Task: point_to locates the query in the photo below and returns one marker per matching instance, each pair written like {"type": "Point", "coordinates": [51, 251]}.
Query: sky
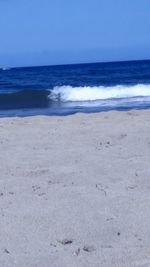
{"type": "Point", "coordinates": [49, 32]}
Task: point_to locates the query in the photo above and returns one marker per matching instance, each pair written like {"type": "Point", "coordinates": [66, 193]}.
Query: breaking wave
{"type": "Point", "coordinates": [69, 97]}
{"type": "Point", "coordinates": [87, 93]}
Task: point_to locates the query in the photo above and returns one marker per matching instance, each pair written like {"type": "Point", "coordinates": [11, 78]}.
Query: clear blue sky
{"type": "Point", "coordinates": [41, 32]}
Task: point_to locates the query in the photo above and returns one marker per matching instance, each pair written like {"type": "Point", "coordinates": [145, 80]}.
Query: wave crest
{"type": "Point", "coordinates": [87, 93]}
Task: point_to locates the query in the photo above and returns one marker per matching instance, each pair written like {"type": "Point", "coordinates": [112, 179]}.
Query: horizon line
{"type": "Point", "coordinates": [71, 64]}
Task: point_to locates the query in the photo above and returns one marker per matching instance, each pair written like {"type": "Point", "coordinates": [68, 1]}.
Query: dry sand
{"type": "Point", "coordinates": [75, 191]}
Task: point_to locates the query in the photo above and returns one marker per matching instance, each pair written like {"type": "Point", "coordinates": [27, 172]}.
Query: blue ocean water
{"type": "Point", "coordinates": [67, 89]}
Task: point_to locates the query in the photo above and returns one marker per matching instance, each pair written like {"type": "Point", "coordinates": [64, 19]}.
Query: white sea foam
{"type": "Point", "coordinates": [87, 93]}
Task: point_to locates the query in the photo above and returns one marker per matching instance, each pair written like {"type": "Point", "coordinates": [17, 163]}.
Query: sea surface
{"type": "Point", "coordinates": [67, 89]}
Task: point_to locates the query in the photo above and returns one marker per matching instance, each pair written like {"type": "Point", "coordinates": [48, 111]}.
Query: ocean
{"type": "Point", "coordinates": [68, 89]}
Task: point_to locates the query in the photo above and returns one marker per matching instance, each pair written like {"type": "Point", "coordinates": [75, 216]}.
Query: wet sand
{"type": "Point", "coordinates": [75, 190]}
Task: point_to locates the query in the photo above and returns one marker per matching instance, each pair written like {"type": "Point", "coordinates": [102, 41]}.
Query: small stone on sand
{"type": "Point", "coordinates": [66, 241]}
{"type": "Point", "coordinates": [88, 248]}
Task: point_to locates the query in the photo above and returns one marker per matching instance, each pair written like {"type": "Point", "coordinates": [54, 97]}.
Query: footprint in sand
{"type": "Point", "coordinates": [143, 265]}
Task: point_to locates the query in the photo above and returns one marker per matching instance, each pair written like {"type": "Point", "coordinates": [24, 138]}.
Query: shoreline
{"type": "Point", "coordinates": [127, 111]}
{"type": "Point", "coordinates": [75, 190]}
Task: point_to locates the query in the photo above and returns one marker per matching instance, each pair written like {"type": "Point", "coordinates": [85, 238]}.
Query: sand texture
{"type": "Point", "coordinates": [75, 190]}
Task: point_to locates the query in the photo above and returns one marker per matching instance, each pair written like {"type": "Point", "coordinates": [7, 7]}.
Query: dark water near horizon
{"type": "Point", "coordinates": [67, 89]}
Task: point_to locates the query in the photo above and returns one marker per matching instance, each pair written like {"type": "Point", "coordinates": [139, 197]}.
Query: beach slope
{"type": "Point", "coordinates": [75, 190]}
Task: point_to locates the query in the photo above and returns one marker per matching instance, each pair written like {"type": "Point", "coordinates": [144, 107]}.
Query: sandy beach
{"type": "Point", "coordinates": [75, 190]}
